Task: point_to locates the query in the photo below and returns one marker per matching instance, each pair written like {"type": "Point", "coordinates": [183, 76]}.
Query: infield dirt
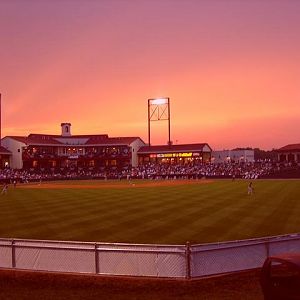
{"type": "Point", "coordinates": [116, 185]}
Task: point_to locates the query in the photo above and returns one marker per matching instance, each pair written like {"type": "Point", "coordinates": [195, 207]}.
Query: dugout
{"type": "Point", "coordinates": [175, 154]}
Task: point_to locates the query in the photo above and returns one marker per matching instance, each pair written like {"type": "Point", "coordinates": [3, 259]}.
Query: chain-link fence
{"type": "Point", "coordinates": [173, 261]}
{"type": "Point", "coordinates": [97, 258]}
{"type": "Point", "coordinates": [218, 258]}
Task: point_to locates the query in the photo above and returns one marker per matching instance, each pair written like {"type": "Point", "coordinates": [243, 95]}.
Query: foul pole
{"type": "Point", "coordinates": [0, 119]}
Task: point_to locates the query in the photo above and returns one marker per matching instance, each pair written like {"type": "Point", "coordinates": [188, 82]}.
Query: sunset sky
{"type": "Point", "coordinates": [230, 67]}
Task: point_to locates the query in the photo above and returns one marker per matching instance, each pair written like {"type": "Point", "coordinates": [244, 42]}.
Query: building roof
{"type": "Point", "coordinates": [113, 141]}
{"type": "Point", "coordinates": [4, 151]}
{"type": "Point", "coordinates": [21, 139]}
{"type": "Point", "coordinates": [36, 140]}
{"type": "Point", "coordinates": [56, 140]}
{"type": "Point", "coordinates": [174, 148]}
{"type": "Point", "coordinates": [290, 147]}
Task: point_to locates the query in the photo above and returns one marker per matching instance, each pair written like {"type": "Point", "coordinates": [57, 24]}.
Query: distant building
{"type": "Point", "coordinates": [241, 155]}
{"type": "Point", "coordinates": [5, 157]}
{"type": "Point", "coordinates": [175, 154]}
{"type": "Point", "coordinates": [46, 151]}
{"type": "Point", "coordinates": [289, 153]}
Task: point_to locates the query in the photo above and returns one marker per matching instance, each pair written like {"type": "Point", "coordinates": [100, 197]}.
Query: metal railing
{"type": "Point", "coordinates": [172, 261]}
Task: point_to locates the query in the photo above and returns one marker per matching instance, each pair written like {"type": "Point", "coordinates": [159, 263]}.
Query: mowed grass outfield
{"type": "Point", "coordinates": [171, 212]}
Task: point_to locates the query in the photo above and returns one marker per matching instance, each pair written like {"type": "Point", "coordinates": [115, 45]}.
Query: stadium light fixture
{"type": "Point", "coordinates": [159, 101]}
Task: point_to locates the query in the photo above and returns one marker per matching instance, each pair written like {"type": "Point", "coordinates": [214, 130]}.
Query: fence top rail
{"type": "Point", "coordinates": [17, 240]}
{"type": "Point", "coordinates": [124, 246]}
{"type": "Point", "coordinates": [5, 242]}
{"type": "Point", "coordinates": [249, 242]}
{"type": "Point", "coordinates": [141, 245]}
{"type": "Point", "coordinates": [107, 249]}
{"type": "Point", "coordinates": [194, 249]}
{"type": "Point", "coordinates": [125, 249]}
{"type": "Point", "coordinates": [92, 244]}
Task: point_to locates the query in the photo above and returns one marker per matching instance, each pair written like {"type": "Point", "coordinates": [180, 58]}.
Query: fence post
{"type": "Point", "coordinates": [13, 254]}
{"type": "Point", "coordinates": [96, 260]}
{"type": "Point", "coordinates": [268, 248]}
{"type": "Point", "coordinates": [188, 260]}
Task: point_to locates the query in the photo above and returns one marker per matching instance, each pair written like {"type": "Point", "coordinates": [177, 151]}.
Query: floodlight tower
{"type": "Point", "coordinates": [159, 110]}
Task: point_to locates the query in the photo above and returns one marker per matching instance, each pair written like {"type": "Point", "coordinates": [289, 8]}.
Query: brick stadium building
{"type": "Point", "coordinates": [289, 153]}
{"type": "Point", "coordinates": [51, 152]}
{"type": "Point", "coordinates": [175, 154]}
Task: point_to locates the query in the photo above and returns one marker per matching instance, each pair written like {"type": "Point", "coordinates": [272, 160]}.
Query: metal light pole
{"type": "Point", "coordinates": [149, 122]}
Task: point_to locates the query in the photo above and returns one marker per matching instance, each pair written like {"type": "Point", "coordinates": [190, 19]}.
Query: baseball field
{"type": "Point", "coordinates": [164, 212]}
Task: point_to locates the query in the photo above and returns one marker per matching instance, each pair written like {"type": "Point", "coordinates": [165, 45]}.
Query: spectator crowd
{"type": "Point", "coordinates": [154, 172]}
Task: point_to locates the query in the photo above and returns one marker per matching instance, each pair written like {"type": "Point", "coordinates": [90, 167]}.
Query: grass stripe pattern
{"type": "Point", "coordinates": [140, 213]}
